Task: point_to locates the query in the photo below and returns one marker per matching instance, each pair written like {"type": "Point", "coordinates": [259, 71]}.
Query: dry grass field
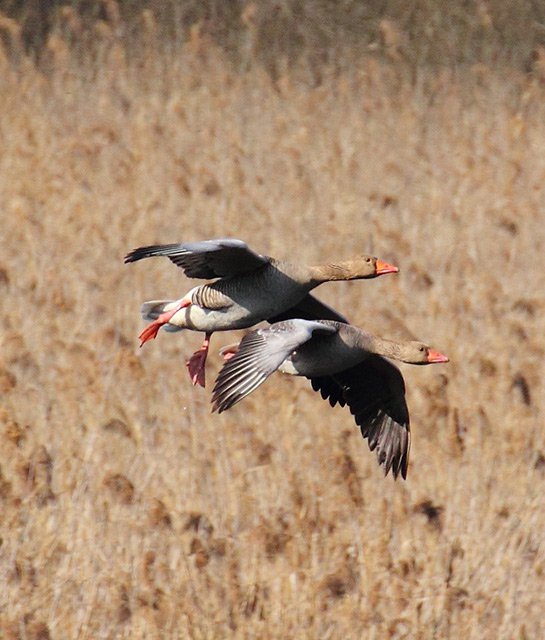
{"type": "Point", "coordinates": [128, 510]}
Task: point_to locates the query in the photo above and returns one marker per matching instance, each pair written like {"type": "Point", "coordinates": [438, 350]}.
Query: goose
{"type": "Point", "coordinates": [249, 288]}
{"type": "Point", "coordinates": [347, 365]}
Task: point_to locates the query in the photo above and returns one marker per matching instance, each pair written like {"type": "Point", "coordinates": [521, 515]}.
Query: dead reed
{"type": "Point", "coordinates": [127, 509]}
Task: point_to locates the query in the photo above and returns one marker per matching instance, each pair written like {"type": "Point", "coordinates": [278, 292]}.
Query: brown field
{"type": "Point", "coordinates": [128, 510]}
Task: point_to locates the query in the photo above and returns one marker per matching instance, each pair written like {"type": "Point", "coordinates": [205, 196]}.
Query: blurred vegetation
{"type": "Point", "coordinates": [127, 509]}
{"type": "Point", "coordinates": [287, 33]}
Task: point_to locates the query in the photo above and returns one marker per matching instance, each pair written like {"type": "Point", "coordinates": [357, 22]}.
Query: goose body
{"type": "Point", "coordinates": [347, 365]}
{"type": "Point", "coordinates": [239, 302]}
{"type": "Point", "coordinates": [248, 289]}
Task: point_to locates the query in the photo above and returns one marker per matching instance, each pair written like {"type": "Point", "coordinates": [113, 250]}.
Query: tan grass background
{"type": "Point", "coordinates": [127, 509]}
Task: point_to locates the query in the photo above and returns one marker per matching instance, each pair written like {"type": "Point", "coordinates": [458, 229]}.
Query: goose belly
{"type": "Point", "coordinates": [199, 319]}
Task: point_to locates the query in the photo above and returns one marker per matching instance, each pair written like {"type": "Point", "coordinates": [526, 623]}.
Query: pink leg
{"type": "Point", "coordinates": [196, 363]}
{"type": "Point", "coordinates": [152, 329]}
{"type": "Point", "coordinates": [228, 352]}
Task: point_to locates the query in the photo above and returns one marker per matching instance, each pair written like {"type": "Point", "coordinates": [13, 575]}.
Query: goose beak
{"type": "Point", "coordinates": [435, 356]}
{"type": "Point", "coordinates": [382, 267]}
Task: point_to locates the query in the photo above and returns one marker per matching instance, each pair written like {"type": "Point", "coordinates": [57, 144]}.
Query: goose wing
{"type": "Point", "coordinates": [260, 353]}
{"type": "Point", "coordinates": [207, 259]}
{"type": "Point", "coordinates": [374, 391]}
{"type": "Point", "coordinates": [309, 308]}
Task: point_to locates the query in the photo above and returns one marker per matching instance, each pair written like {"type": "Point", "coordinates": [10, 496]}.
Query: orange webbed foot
{"type": "Point", "coordinates": [229, 352]}
{"type": "Point", "coordinates": [196, 367]}
{"type": "Point", "coordinates": [150, 332]}
{"type": "Point", "coordinates": [196, 364]}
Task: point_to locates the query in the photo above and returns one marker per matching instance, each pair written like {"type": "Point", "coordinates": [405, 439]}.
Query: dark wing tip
{"type": "Point", "coordinates": [132, 256]}
{"type": "Point", "coordinates": [375, 393]}
{"type": "Point", "coordinates": [390, 437]}
{"type": "Point", "coordinates": [149, 251]}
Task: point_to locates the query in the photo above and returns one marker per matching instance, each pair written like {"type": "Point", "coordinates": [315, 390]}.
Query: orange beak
{"type": "Point", "coordinates": [435, 356]}
{"type": "Point", "coordinates": [382, 267]}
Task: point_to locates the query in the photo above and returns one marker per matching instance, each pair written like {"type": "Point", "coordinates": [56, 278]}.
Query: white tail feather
{"type": "Point", "coordinates": [154, 308]}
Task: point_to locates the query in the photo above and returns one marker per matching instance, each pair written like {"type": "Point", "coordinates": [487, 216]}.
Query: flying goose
{"type": "Point", "coordinates": [249, 288]}
{"type": "Point", "coordinates": [345, 364]}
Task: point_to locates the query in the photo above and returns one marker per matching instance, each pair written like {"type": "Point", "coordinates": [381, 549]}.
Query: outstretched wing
{"type": "Point", "coordinates": [309, 308]}
{"type": "Point", "coordinates": [329, 389]}
{"type": "Point", "coordinates": [375, 394]}
{"type": "Point", "coordinates": [207, 259]}
{"type": "Point", "coordinates": [259, 354]}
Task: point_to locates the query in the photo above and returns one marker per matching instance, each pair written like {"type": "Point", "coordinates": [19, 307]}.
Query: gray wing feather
{"type": "Point", "coordinates": [375, 393]}
{"type": "Point", "coordinates": [260, 353]}
{"type": "Point", "coordinates": [208, 259]}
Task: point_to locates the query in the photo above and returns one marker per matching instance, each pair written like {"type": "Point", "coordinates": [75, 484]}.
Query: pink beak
{"type": "Point", "coordinates": [384, 267]}
{"type": "Point", "coordinates": [435, 356]}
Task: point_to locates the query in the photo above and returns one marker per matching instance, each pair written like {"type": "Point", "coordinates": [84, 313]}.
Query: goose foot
{"type": "Point", "coordinates": [196, 364]}
{"type": "Point", "coordinates": [152, 329]}
{"type": "Point", "coordinates": [229, 351]}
